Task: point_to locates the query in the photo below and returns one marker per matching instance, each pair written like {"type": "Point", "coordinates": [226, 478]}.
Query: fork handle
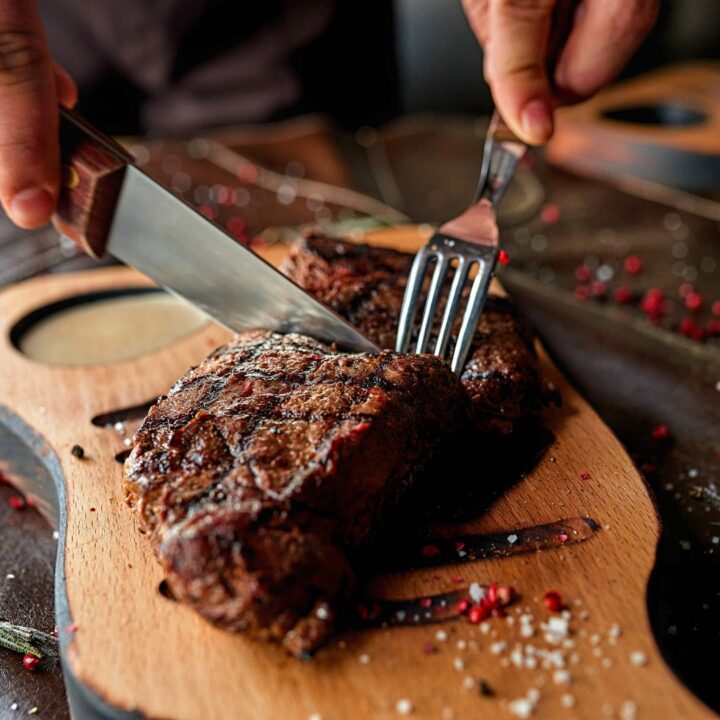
{"type": "Point", "coordinates": [501, 154]}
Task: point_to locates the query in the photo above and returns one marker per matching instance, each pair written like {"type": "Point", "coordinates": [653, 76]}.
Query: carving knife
{"type": "Point", "coordinates": [107, 204]}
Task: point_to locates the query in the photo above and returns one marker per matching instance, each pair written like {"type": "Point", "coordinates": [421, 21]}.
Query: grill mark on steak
{"type": "Point", "coordinates": [366, 285]}
{"type": "Point", "coordinates": [254, 529]}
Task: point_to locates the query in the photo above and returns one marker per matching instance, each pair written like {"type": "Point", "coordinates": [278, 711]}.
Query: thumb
{"type": "Point", "coordinates": [29, 152]}
{"type": "Point", "coordinates": [516, 66]}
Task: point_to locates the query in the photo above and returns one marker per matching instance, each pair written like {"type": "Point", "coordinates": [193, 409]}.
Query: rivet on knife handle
{"type": "Point", "coordinates": [93, 166]}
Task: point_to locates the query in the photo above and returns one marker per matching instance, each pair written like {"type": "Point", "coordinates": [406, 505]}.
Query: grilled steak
{"type": "Point", "coordinates": [268, 467]}
{"type": "Point", "coordinates": [366, 284]}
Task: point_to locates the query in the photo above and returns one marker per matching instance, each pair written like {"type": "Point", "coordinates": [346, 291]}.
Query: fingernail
{"type": "Point", "coordinates": [31, 208]}
{"type": "Point", "coordinates": [537, 122]}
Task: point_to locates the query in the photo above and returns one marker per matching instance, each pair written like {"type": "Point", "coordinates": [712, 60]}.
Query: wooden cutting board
{"type": "Point", "coordinates": [129, 649]}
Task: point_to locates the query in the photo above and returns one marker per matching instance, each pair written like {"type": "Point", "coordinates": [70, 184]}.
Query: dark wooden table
{"type": "Point", "coordinates": [636, 374]}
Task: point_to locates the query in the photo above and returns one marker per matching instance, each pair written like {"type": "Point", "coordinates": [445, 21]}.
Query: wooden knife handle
{"type": "Point", "coordinates": [93, 166]}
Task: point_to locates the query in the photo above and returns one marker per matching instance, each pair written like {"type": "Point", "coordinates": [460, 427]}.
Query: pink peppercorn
{"type": "Point", "coordinates": [30, 661]}
{"type": "Point", "coordinates": [462, 606]}
{"type": "Point", "coordinates": [553, 601]}
{"type": "Point", "coordinates": [693, 301]}
{"type": "Point", "coordinates": [661, 432]}
{"type": "Point", "coordinates": [429, 551]}
{"type": "Point", "coordinates": [17, 502]}
{"type": "Point", "coordinates": [633, 264]}
{"type": "Point", "coordinates": [582, 292]}
{"type": "Point", "coordinates": [623, 295]}
{"type": "Point", "coordinates": [478, 613]}
{"type": "Point", "coordinates": [652, 302]}
{"type": "Point", "coordinates": [550, 213]}
{"type": "Point", "coordinates": [503, 258]}
{"type": "Point", "coordinates": [583, 274]}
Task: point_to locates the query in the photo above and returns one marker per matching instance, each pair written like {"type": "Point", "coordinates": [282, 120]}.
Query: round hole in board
{"type": "Point", "coordinates": [670, 115]}
{"type": "Point", "coordinates": [104, 327]}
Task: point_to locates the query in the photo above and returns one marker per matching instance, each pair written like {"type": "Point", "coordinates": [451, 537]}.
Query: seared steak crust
{"type": "Point", "coordinates": [270, 462]}
{"type": "Point", "coordinates": [366, 284]}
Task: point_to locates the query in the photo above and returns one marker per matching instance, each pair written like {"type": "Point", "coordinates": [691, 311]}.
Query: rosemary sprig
{"type": "Point", "coordinates": [25, 640]}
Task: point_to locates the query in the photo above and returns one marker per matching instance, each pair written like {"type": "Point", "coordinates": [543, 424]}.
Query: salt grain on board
{"type": "Point", "coordinates": [404, 706]}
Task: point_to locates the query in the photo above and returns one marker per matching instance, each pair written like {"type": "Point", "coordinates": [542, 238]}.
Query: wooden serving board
{"type": "Point", "coordinates": [129, 649]}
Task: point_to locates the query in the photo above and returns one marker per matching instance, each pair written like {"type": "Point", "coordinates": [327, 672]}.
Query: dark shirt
{"type": "Point", "coordinates": [165, 66]}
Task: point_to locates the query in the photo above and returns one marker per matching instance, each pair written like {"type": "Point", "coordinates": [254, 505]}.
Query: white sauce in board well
{"type": "Point", "coordinates": [110, 330]}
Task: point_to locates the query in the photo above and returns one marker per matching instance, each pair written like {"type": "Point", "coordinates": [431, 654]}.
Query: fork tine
{"type": "Point", "coordinates": [431, 303]}
{"type": "Point", "coordinates": [461, 274]}
{"type": "Point", "coordinates": [410, 301]}
{"type": "Point", "coordinates": [475, 304]}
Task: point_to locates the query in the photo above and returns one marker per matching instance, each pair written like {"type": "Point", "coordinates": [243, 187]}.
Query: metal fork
{"type": "Point", "coordinates": [468, 241]}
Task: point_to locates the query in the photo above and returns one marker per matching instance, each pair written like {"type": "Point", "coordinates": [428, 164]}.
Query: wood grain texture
{"type": "Point", "coordinates": [93, 168]}
{"type": "Point", "coordinates": [138, 650]}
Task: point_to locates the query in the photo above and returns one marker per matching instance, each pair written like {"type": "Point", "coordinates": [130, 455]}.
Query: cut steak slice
{"type": "Point", "coordinates": [366, 284]}
{"type": "Point", "coordinates": [271, 464]}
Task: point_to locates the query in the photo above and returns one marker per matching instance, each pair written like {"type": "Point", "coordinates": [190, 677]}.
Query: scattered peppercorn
{"type": "Point", "coordinates": [623, 295]}
{"type": "Point", "coordinates": [462, 606]}
{"type": "Point", "coordinates": [503, 258]}
{"type": "Point", "coordinates": [583, 274]}
{"type": "Point", "coordinates": [553, 601]}
{"type": "Point", "coordinates": [478, 613]}
{"type": "Point", "coordinates": [661, 432]}
{"type": "Point", "coordinates": [633, 264]}
{"type": "Point", "coordinates": [30, 661]}
{"type": "Point", "coordinates": [429, 551]}
{"type": "Point", "coordinates": [17, 502]}
{"type": "Point", "coordinates": [78, 451]}
{"type": "Point", "coordinates": [693, 301]}
{"type": "Point", "coordinates": [485, 689]}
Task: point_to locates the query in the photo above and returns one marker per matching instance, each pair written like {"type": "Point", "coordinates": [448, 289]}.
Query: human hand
{"type": "Point", "coordinates": [31, 87]}
{"type": "Point", "coordinates": [515, 34]}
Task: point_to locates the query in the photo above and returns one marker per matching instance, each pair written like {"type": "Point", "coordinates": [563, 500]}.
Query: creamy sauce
{"type": "Point", "coordinates": [104, 331]}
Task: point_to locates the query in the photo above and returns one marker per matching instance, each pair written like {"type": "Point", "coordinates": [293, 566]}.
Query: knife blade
{"type": "Point", "coordinates": [107, 204]}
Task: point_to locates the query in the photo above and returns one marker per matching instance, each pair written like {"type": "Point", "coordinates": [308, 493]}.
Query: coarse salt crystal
{"type": "Point", "coordinates": [521, 708]}
{"type": "Point", "coordinates": [10, 576]}
{"type": "Point", "coordinates": [568, 700]}
{"type": "Point", "coordinates": [469, 682]}
{"type": "Point", "coordinates": [14, 706]}
{"type": "Point", "coordinates": [527, 631]}
{"type": "Point", "coordinates": [459, 664]}
{"type": "Point", "coordinates": [595, 639]}
{"type": "Point", "coordinates": [512, 539]}
{"type": "Point", "coordinates": [531, 663]}
{"type": "Point", "coordinates": [561, 677]}
{"type": "Point", "coordinates": [56, 535]}
{"type": "Point", "coordinates": [533, 695]}
{"type": "Point", "coordinates": [484, 628]}
{"type": "Point", "coordinates": [607, 663]}
{"type": "Point", "coordinates": [628, 710]}
{"type": "Point", "coordinates": [400, 615]}
{"type": "Point", "coordinates": [615, 631]}
{"type": "Point", "coordinates": [441, 636]}
{"type": "Point", "coordinates": [498, 647]}
{"type": "Point", "coordinates": [476, 591]}
{"type": "Point", "coordinates": [364, 659]}
{"type": "Point", "coordinates": [119, 427]}
{"type": "Point", "coordinates": [404, 706]}
{"type": "Point", "coordinates": [448, 714]}
{"type": "Point", "coordinates": [638, 658]}
{"type": "Point", "coordinates": [322, 613]}
{"type": "Point", "coordinates": [461, 645]}
{"type": "Point", "coordinates": [315, 716]}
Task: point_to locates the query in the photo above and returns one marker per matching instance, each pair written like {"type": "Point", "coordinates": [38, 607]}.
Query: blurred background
{"type": "Point", "coordinates": [351, 115]}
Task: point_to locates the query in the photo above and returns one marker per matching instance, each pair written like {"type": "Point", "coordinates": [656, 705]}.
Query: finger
{"type": "Point", "coordinates": [65, 87]}
{"type": "Point", "coordinates": [605, 34]}
{"type": "Point", "coordinates": [477, 15]}
{"type": "Point", "coordinates": [29, 153]}
{"type": "Point", "coordinates": [516, 66]}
